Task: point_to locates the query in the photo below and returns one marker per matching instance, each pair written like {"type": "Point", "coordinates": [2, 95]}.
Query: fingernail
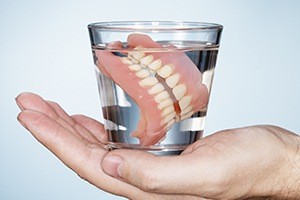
{"type": "Point", "coordinates": [19, 105]}
{"type": "Point", "coordinates": [22, 123]}
{"type": "Point", "coordinates": [111, 165]}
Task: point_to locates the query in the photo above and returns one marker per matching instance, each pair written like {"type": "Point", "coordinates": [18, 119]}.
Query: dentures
{"type": "Point", "coordinates": [167, 86]}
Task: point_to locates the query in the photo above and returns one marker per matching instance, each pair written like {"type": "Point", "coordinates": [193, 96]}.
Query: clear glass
{"type": "Point", "coordinates": [154, 80]}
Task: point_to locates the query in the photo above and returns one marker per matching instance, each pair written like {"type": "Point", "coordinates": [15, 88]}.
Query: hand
{"type": "Point", "coordinates": [258, 161]}
{"type": "Point", "coordinates": [79, 142]}
{"type": "Point", "coordinates": [248, 162]}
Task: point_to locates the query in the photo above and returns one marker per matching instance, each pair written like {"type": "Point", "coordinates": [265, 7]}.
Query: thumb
{"type": "Point", "coordinates": [166, 174]}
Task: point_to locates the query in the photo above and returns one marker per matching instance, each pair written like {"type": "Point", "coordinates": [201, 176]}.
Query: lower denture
{"type": "Point", "coordinates": [141, 75]}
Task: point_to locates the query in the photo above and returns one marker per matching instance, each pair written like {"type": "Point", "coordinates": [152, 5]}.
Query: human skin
{"type": "Point", "coordinates": [250, 162]}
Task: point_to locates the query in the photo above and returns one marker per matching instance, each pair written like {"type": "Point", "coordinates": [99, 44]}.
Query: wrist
{"type": "Point", "coordinates": [281, 180]}
{"type": "Point", "coordinates": [287, 184]}
{"type": "Point", "coordinates": [291, 187]}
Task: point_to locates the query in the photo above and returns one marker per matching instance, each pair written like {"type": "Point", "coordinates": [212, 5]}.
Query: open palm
{"type": "Point", "coordinates": [79, 142]}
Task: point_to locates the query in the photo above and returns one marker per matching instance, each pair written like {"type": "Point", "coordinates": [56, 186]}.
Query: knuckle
{"type": "Point", "coordinates": [149, 181]}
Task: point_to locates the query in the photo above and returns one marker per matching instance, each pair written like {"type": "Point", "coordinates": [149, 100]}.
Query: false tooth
{"type": "Point", "coordinates": [138, 48]}
{"type": "Point", "coordinates": [146, 60]}
{"type": "Point", "coordinates": [165, 71]}
{"type": "Point", "coordinates": [185, 102]}
{"type": "Point", "coordinates": [185, 111]}
{"type": "Point", "coordinates": [167, 110]}
{"type": "Point", "coordinates": [172, 80]}
{"type": "Point", "coordinates": [161, 96]}
{"type": "Point", "coordinates": [129, 56]}
{"type": "Point", "coordinates": [143, 66]}
{"type": "Point", "coordinates": [187, 115]}
{"type": "Point", "coordinates": [155, 65]}
{"type": "Point", "coordinates": [165, 103]}
{"type": "Point", "coordinates": [179, 91]}
{"type": "Point", "coordinates": [157, 88]}
{"type": "Point", "coordinates": [125, 60]}
{"type": "Point", "coordinates": [135, 67]}
{"type": "Point", "coordinates": [152, 72]}
{"type": "Point", "coordinates": [142, 73]}
{"type": "Point", "coordinates": [135, 61]}
{"type": "Point", "coordinates": [137, 54]}
{"type": "Point", "coordinates": [168, 118]}
{"type": "Point", "coordinates": [149, 81]}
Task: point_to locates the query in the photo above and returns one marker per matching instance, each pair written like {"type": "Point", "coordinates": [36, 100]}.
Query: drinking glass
{"type": "Point", "coordinates": [154, 80]}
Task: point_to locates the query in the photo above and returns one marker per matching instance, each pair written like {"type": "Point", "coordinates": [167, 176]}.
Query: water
{"type": "Point", "coordinates": [121, 113]}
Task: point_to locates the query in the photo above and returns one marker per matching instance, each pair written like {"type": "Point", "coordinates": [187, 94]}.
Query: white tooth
{"type": "Point", "coordinates": [125, 60]}
{"type": "Point", "coordinates": [165, 103]}
{"type": "Point", "coordinates": [155, 65]}
{"type": "Point", "coordinates": [187, 115]}
{"type": "Point", "coordinates": [188, 109]}
{"type": "Point", "coordinates": [140, 47]}
{"type": "Point", "coordinates": [137, 54]}
{"type": "Point", "coordinates": [165, 71]}
{"type": "Point", "coordinates": [170, 123]}
{"type": "Point", "coordinates": [172, 80]}
{"type": "Point", "coordinates": [152, 72]}
{"type": "Point", "coordinates": [161, 96]}
{"type": "Point", "coordinates": [149, 81]}
{"type": "Point", "coordinates": [179, 91]}
{"type": "Point", "coordinates": [168, 118]}
{"type": "Point", "coordinates": [143, 73]}
{"type": "Point", "coordinates": [135, 61]}
{"type": "Point", "coordinates": [167, 110]}
{"type": "Point", "coordinates": [185, 102]}
{"type": "Point", "coordinates": [135, 67]}
{"type": "Point", "coordinates": [143, 66]}
{"type": "Point", "coordinates": [146, 60]}
{"type": "Point", "coordinates": [129, 56]}
{"type": "Point", "coordinates": [157, 88]}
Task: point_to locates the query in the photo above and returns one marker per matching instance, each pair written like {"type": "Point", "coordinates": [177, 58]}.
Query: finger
{"type": "Point", "coordinates": [78, 127]}
{"type": "Point", "coordinates": [168, 175]}
{"type": "Point", "coordinates": [93, 126]}
{"type": "Point", "coordinates": [30, 101]}
{"type": "Point", "coordinates": [75, 153]}
{"type": "Point", "coordinates": [60, 112]}
{"type": "Point", "coordinates": [80, 156]}
{"type": "Point", "coordinates": [55, 137]}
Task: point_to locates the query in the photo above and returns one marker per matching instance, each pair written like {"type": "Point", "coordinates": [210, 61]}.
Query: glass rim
{"type": "Point", "coordinates": [154, 26]}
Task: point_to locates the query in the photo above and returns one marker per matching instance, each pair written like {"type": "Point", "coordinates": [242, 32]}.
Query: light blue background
{"type": "Point", "coordinates": [44, 48]}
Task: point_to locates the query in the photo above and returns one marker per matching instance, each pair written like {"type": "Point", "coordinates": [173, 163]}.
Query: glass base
{"type": "Point", "coordinates": [159, 150]}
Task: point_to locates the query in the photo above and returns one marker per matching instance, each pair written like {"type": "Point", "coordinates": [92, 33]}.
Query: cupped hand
{"type": "Point", "coordinates": [79, 142]}
{"type": "Point", "coordinates": [232, 164]}
{"type": "Point", "coordinates": [250, 162]}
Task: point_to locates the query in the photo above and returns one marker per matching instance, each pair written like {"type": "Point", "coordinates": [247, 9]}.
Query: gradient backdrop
{"type": "Point", "coordinates": [44, 48]}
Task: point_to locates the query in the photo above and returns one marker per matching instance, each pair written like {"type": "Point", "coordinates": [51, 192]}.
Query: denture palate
{"type": "Point", "coordinates": [167, 86]}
